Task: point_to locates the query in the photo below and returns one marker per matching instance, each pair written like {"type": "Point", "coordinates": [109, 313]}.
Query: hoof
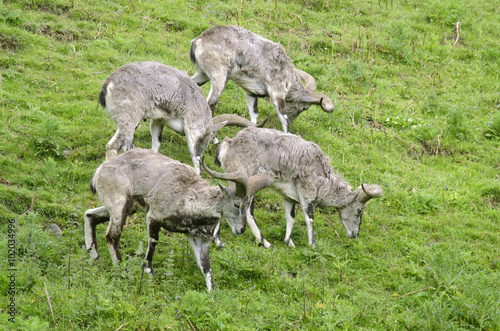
{"type": "Point", "coordinates": [147, 269]}
{"type": "Point", "coordinates": [264, 243]}
{"type": "Point", "coordinates": [219, 244]}
{"type": "Point", "coordinates": [93, 254]}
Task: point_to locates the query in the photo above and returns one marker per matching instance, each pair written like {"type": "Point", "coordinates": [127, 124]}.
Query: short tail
{"type": "Point", "coordinates": [92, 186]}
{"type": "Point", "coordinates": [102, 95]}
{"type": "Point", "coordinates": [217, 160]}
{"type": "Point", "coordinates": [192, 50]}
{"type": "Point", "coordinates": [93, 181]}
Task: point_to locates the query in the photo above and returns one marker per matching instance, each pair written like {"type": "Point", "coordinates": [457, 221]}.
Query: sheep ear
{"type": "Point", "coordinates": [225, 189]}
{"type": "Point", "coordinates": [353, 195]}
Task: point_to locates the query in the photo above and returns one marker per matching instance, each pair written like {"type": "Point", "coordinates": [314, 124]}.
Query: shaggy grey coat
{"type": "Point", "coordinates": [175, 198]}
{"type": "Point", "coordinates": [301, 173]}
{"type": "Point", "coordinates": [168, 97]}
{"type": "Point", "coordinates": [259, 66]}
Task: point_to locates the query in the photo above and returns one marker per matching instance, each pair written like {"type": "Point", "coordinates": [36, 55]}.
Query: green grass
{"type": "Point", "coordinates": [417, 112]}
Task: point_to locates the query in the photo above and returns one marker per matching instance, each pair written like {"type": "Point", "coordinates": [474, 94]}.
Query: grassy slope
{"type": "Point", "coordinates": [414, 112]}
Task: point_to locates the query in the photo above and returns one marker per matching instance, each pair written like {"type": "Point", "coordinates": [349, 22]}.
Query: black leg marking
{"type": "Point", "coordinates": [154, 230]}
{"type": "Point", "coordinates": [281, 105]}
{"type": "Point", "coordinates": [310, 211]}
{"type": "Point", "coordinates": [252, 205]}
{"type": "Point", "coordinates": [255, 110]}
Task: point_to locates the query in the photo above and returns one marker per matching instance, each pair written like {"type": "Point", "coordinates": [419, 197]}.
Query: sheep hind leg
{"type": "Point", "coordinates": [218, 82]}
{"type": "Point", "coordinates": [200, 78]}
{"type": "Point", "coordinates": [253, 111]}
{"type": "Point", "coordinates": [93, 217]}
{"type": "Point", "coordinates": [156, 129]}
{"type": "Point", "coordinates": [201, 248]}
{"type": "Point", "coordinates": [123, 138]}
{"type": "Point", "coordinates": [117, 218]}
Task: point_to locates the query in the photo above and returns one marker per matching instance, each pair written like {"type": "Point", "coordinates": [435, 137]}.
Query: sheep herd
{"type": "Point", "coordinates": [174, 195]}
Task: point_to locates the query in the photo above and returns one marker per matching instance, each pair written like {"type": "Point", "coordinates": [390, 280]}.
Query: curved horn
{"type": "Point", "coordinates": [369, 192]}
{"type": "Point", "coordinates": [259, 182]}
{"type": "Point", "coordinates": [316, 98]}
{"type": "Point", "coordinates": [309, 81]}
{"type": "Point", "coordinates": [232, 120]}
{"type": "Point", "coordinates": [261, 124]}
{"type": "Point", "coordinates": [235, 120]}
{"type": "Point", "coordinates": [239, 178]}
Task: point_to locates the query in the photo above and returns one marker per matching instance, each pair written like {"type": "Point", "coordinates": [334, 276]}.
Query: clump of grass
{"type": "Point", "coordinates": [458, 126]}
{"type": "Point", "coordinates": [48, 141]}
{"type": "Point", "coordinates": [431, 104]}
{"type": "Point", "coordinates": [445, 13]}
{"type": "Point", "coordinates": [355, 75]}
{"type": "Point", "coordinates": [493, 128]}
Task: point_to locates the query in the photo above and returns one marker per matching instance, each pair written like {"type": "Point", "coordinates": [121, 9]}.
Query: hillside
{"type": "Point", "coordinates": [416, 90]}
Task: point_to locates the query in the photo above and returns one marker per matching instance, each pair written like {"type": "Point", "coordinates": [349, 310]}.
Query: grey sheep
{"type": "Point", "coordinates": [259, 66]}
{"type": "Point", "coordinates": [168, 97]}
{"type": "Point", "coordinates": [300, 172]}
{"type": "Point", "coordinates": [174, 196]}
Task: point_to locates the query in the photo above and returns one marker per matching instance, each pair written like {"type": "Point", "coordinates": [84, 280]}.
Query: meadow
{"type": "Point", "coordinates": [416, 88]}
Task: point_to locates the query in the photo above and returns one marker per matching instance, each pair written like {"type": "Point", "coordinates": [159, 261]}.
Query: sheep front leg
{"type": "Point", "coordinates": [153, 236]}
{"type": "Point", "coordinates": [307, 209]}
{"type": "Point", "coordinates": [91, 218]}
{"type": "Point", "coordinates": [201, 248]}
{"type": "Point", "coordinates": [193, 140]}
{"type": "Point", "coordinates": [253, 226]}
{"type": "Point", "coordinates": [218, 242]}
{"type": "Point", "coordinates": [290, 221]}
{"type": "Point", "coordinates": [278, 101]}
